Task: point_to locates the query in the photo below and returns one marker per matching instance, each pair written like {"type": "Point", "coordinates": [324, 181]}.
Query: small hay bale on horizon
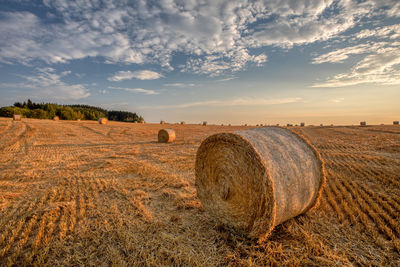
{"type": "Point", "coordinates": [363, 123]}
{"type": "Point", "coordinates": [302, 124]}
{"type": "Point", "coordinates": [56, 118]}
{"type": "Point", "coordinates": [254, 180]}
{"type": "Point", "coordinates": [103, 120]}
{"type": "Point", "coordinates": [395, 122]}
{"type": "Point", "coordinates": [183, 123]}
{"type": "Point", "coordinates": [162, 122]}
{"type": "Point", "coordinates": [17, 117]}
{"type": "Point", "coordinates": [166, 136]}
{"type": "Point", "coordinates": [205, 123]}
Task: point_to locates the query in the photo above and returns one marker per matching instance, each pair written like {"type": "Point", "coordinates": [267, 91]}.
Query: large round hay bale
{"type": "Point", "coordinates": [103, 120]}
{"type": "Point", "coordinates": [166, 136]}
{"type": "Point", "coordinates": [17, 117]}
{"type": "Point", "coordinates": [56, 118]}
{"type": "Point", "coordinates": [255, 179]}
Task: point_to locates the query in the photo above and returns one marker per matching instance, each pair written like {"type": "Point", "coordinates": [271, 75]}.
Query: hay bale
{"type": "Point", "coordinates": [395, 122]}
{"type": "Point", "coordinates": [103, 120]}
{"type": "Point", "coordinates": [363, 123]}
{"type": "Point", "coordinates": [321, 125]}
{"type": "Point", "coordinates": [78, 120]}
{"type": "Point", "coordinates": [56, 118]}
{"type": "Point", "coordinates": [166, 136]}
{"type": "Point", "coordinates": [183, 123]}
{"type": "Point", "coordinates": [162, 122]}
{"type": "Point", "coordinates": [205, 123]}
{"type": "Point", "coordinates": [17, 117]}
{"type": "Point", "coordinates": [142, 122]}
{"type": "Point", "coordinates": [302, 124]}
{"type": "Point", "coordinates": [253, 180]}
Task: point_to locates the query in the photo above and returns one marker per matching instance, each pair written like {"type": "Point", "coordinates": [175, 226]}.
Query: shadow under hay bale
{"type": "Point", "coordinates": [103, 120]}
{"type": "Point", "coordinates": [166, 136]}
{"type": "Point", "coordinates": [17, 117]}
{"type": "Point", "coordinates": [255, 179]}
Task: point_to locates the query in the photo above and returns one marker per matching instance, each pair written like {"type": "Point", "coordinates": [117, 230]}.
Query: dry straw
{"type": "Point", "coordinates": [255, 179]}
{"type": "Point", "coordinates": [166, 136]}
{"type": "Point", "coordinates": [56, 118]}
{"type": "Point", "coordinates": [17, 117]}
{"type": "Point", "coordinates": [103, 120]}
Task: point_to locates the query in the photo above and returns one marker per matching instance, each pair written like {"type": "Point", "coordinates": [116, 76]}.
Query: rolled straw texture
{"type": "Point", "coordinates": [166, 136]}
{"type": "Point", "coordinates": [17, 117]}
{"type": "Point", "coordinates": [253, 180]}
{"type": "Point", "coordinates": [103, 120]}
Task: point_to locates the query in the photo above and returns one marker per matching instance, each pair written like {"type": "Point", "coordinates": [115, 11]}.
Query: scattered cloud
{"type": "Point", "coordinates": [336, 100]}
{"type": "Point", "coordinates": [215, 37]}
{"type": "Point", "coordinates": [180, 84]}
{"type": "Point", "coordinates": [136, 90]}
{"type": "Point", "coordinates": [231, 102]}
{"type": "Point", "coordinates": [379, 63]}
{"type": "Point", "coordinates": [140, 75]}
{"type": "Point", "coordinates": [46, 83]}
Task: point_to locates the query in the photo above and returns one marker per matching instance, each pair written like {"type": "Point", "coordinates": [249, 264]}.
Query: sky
{"type": "Point", "coordinates": [221, 61]}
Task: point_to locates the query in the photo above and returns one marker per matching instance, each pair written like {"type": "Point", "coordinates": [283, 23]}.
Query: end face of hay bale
{"type": "Point", "coordinates": [166, 136]}
{"type": "Point", "coordinates": [249, 180]}
{"type": "Point", "coordinates": [56, 118]}
{"type": "Point", "coordinates": [103, 120]}
{"type": "Point", "coordinates": [17, 117]}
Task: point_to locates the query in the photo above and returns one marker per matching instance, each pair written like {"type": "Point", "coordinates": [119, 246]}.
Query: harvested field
{"type": "Point", "coordinates": [89, 194]}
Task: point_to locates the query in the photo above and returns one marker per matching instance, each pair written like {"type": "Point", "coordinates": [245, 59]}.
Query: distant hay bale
{"type": "Point", "coordinates": [245, 124]}
{"type": "Point", "coordinates": [229, 124]}
{"type": "Point", "coordinates": [103, 120]}
{"type": "Point", "coordinates": [78, 120]}
{"type": "Point", "coordinates": [56, 118]}
{"type": "Point", "coordinates": [17, 117]}
{"type": "Point", "coordinates": [142, 122]}
{"type": "Point", "coordinates": [205, 123]}
{"type": "Point", "coordinates": [363, 123]}
{"type": "Point", "coordinates": [183, 123]}
{"type": "Point", "coordinates": [321, 125]}
{"type": "Point", "coordinates": [395, 122]}
{"type": "Point", "coordinates": [162, 122]}
{"type": "Point", "coordinates": [302, 124]}
{"type": "Point", "coordinates": [277, 124]}
{"type": "Point", "coordinates": [166, 136]}
{"type": "Point", "coordinates": [253, 180]}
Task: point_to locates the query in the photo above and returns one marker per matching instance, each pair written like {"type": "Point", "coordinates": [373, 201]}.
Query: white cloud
{"type": "Point", "coordinates": [231, 102]}
{"type": "Point", "coordinates": [216, 36]}
{"type": "Point", "coordinates": [136, 90]}
{"type": "Point", "coordinates": [380, 62]}
{"type": "Point", "coordinates": [336, 100]}
{"type": "Point", "coordinates": [140, 75]}
{"type": "Point", "coordinates": [48, 84]}
{"type": "Point", "coordinates": [179, 84]}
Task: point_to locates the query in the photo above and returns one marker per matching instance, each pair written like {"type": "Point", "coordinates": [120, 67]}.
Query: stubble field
{"type": "Point", "coordinates": [80, 193]}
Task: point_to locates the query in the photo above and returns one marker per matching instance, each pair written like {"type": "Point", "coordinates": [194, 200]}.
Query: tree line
{"type": "Point", "coordinates": [30, 109]}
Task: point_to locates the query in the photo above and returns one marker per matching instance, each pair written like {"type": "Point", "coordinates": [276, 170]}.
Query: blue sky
{"type": "Point", "coordinates": [318, 61]}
